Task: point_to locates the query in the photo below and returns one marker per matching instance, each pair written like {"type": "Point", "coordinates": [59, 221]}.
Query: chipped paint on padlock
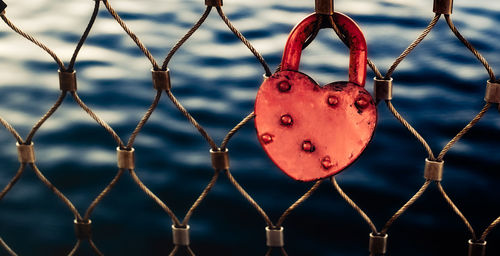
{"type": "Point", "coordinates": [312, 132]}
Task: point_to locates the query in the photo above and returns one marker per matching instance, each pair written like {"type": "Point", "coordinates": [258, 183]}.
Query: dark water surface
{"type": "Point", "coordinates": [439, 88]}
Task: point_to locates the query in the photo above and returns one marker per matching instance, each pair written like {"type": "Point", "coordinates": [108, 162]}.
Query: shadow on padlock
{"type": "Point", "coordinates": [312, 132]}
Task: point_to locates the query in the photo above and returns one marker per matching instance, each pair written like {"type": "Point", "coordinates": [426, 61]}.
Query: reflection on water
{"type": "Point", "coordinates": [439, 88]}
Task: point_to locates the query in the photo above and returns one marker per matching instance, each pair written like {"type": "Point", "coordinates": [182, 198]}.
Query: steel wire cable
{"type": "Point", "coordinates": [270, 250]}
{"type": "Point", "coordinates": [456, 210]}
{"type": "Point", "coordinates": [412, 46]}
{"type": "Point", "coordinates": [448, 146]}
{"type": "Point", "coordinates": [56, 191]}
{"type": "Point", "coordinates": [393, 67]}
{"type": "Point", "coordinates": [7, 248]}
{"type": "Point", "coordinates": [244, 41]}
{"type": "Point", "coordinates": [200, 198]}
{"type": "Point", "coordinates": [405, 207]}
{"type": "Point", "coordinates": [103, 193]}
{"type": "Point", "coordinates": [45, 117]}
{"type": "Point", "coordinates": [231, 133]}
{"type": "Point", "coordinates": [52, 110]}
{"type": "Point", "coordinates": [181, 42]}
{"type": "Point", "coordinates": [264, 215]}
{"type": "Point", "coordinates": [174, 250]}
{"type": "Point", "coordinates": [410, 129]}
{"type": "Point", "coordinates": [466, 129]}
{"type": "Point", "coordinates": [11, 130]}
{"type": "Point", "coordinates": [469, 46]}
{"type": "Point", "coordinates": [158, 201]}
{"type": "Point", "coordinates": [13, 181]}
{"type": "Point", "coordinates": [193, 121]}
{"type": "Point", "coordinates": [84, 36]}
{"type": "Point", "coordinates": [33, 40]}
{"type": "Point", "coordinates": [301, 200]}
{"type": "Point", "coordinates": [98, 119]}
{"type": "Point", "coordinates": [489, 229]}
{"type": "Point", "coordinates": [179, 106]}
{"type": "Point", "coordinates": [144, 120]}
{"type": "Point", "coordinates": [354, 205]}
{"type": "Point", "coordinates": [80, 43]}
{"type": "Point", "coordinates": [136, 39]}
{"type": "Point", "coordinates": [94, 247]}
{"type": "Point", "coordinates": [249, 198]}
{"type": "Point", "coordinates": [75, 248]}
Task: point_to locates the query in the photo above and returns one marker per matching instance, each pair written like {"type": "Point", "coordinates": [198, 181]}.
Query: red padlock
{"type": "Point", "coordinates": [312, 132]}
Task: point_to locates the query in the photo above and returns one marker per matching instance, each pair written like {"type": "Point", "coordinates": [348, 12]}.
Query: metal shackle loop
{"type": "Point", "coordinates": [378, 244]}
{"type": "Point", "coordinates": [83, 230]}
{"type": "Point", "coordinates": [477, 248]}
{"type": "Point", "coordinates": [67, 81]}
{"type": "Point", "coordinates": [433, 170]}
{"type": "Point", "coordinates": [26, 153]}
{"type": "Point", "coordinates": [180, 235]}
{"type": "Point", "coordinates": [274, 237]}
{"type": "Point", "coordinates": [161, 79]}
{"type": "Point", "coordinates": [443, 7]}
{"type": "Point", "coordinates": [302, 31]}
{"type": "Point", "coordinates": [214, 3]}
{"type": "Point", "coordinates": [324, 7]}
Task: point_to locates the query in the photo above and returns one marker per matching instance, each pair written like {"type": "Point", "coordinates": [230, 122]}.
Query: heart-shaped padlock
{"type": "Point", "coordinates": [312, 132]}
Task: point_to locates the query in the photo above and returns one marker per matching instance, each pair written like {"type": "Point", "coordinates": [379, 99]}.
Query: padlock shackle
{"type": "Point", "coordinates": [354, 35]}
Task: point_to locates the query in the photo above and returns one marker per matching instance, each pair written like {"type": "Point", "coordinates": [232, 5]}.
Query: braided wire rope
{"type": "Point", "coordinates": [202, 131]}
{"type": "Point", "coordinates": [49, 113]}
{"type": "Point", "coordinates": [393, 67]}
{"type": "Point", "coordinates": [129, 145]}
{"type": "Point", "coordinates": [417, 135]}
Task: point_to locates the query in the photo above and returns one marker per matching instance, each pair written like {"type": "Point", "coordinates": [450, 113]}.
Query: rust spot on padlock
{"type": "Point", "coordinates": [332, 101]}
{"type": "Point", "coordinates": [286, 120]}
{"type": "Point", "coordinates": [362, 103]}
{"type": "Point", "coordinates": [284, 86]}
{"type": "Point", "coordinates": [331, 124]}
{"type": "Point", "coordinates": [267, 138]}
{"type": "Point", "coordinates": [339, 87]}
{"type": "Point", "coordinates": [307, 146]}
{"type": "Point", "coordinates": [326, 162]}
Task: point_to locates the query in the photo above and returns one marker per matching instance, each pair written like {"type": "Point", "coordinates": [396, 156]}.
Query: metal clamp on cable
{"type": "Point", "coordinates": [161, 79]}
{"type": "Point", "coordinates": [214, 3]}
{"type": "Point", "coordinates": [220, 159]}
{"type": "Point", "coordinates": [126, 158]}
{"type": "Point", "coordinates": [83, 230]}
{"type": "Point", "coordinates": [180, 235]}
{"type": "Point", "coordinates": [274, 237]}
{"type": "Point", "coordinates": [443, 6]}
{"type": "Point", "coordinates": [2, 7]}
{"type": "Point", "coordinates": [492, 92]}
{"type": "Point", "coordinates": [324, 7]}
{"type": "Point", "coordinates": [378, 244]}
{"type": "Point", "coordinates": [382, 89]}
{"type": "Point", "coordinates": [26, 153]}
{"type": "Point", "coordinates": [433, 170]}
{"type": "Point", "coordinates": [67, 81]}
{"type": "Point", "coordinates": [477, 248]}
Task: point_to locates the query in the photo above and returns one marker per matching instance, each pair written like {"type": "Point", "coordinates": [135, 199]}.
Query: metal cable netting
{"type": "Point", "coordinates": [275, 227]}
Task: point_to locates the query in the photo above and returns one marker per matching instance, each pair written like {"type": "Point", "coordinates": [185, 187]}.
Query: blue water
{"type": "Point", "coordinates": [438, 88]}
